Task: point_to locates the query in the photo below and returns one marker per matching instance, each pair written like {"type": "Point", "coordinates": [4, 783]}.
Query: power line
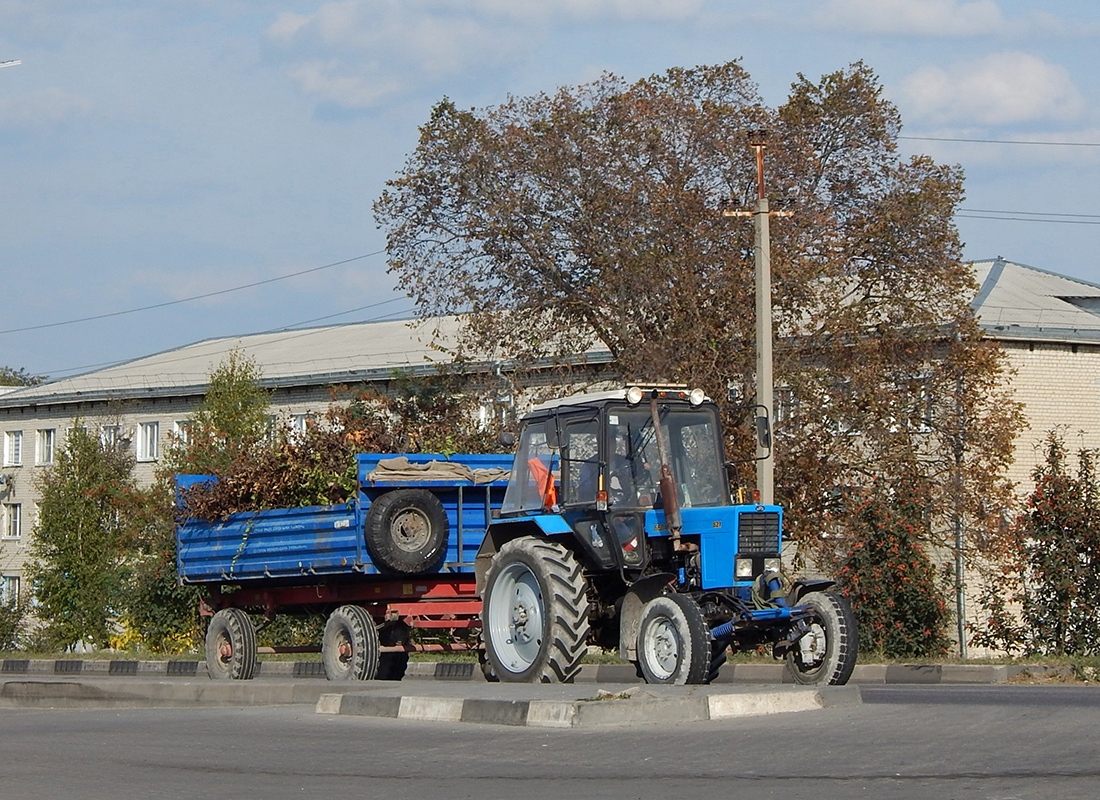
{"type": "Point", "coordinates": [1006, 218]}
{"type": "Point", "coordinates": [1029, 213]}
{"type": "Point", "coordinates": [195, 297]}
{"type": "Point", "coordinates": [1000, 141]}
{"type": "Point", "coordinates": [288, 329]}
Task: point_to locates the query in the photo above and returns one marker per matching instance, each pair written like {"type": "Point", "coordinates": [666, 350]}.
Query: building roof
{"type": "Point", "coordinates": [328, 355]}
{"type": "Point", "coordinates": [1016, 302]}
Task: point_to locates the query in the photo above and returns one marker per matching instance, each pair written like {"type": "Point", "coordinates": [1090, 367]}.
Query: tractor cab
{"type": "Point", "coordinates": [620, 467]}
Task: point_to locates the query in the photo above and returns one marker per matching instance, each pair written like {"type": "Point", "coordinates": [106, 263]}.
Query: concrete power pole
{"type": "Point", "coordinates": [765, 459]}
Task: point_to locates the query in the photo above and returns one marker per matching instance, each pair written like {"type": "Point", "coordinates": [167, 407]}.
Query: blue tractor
{"type": "Point", "coordinates": [619, 529]}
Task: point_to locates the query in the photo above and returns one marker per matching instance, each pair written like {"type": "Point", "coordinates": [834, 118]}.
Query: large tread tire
{"type": "Point", "coordinates": [718, 657]}
{"type": "Point", "coordinates": [231, 652]}
{"type": "Point", "coordinates": [674, 644]}
{"type": "Point", "coordinates": [349, 649]}
{"type": "Point", "coordinates": [406, 532]}
{"type": "Point", "coordinates": [534, 616]}
{"type": "Point", "coordinates": [826, 655]}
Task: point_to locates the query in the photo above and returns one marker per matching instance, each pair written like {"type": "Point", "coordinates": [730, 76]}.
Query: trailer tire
{"type": "Point", "coordinates": [350, 645]}
{"type": "Point", "coordinates": [674, 644]}
{"type": "Point", "coordinates": [826, 654]}
{"type": "Point", "coordinates": [535, 613]}
{"type": "Point", "coordinates": [407, 532]}
{"type": "Point", "coordinates": [231, 646]}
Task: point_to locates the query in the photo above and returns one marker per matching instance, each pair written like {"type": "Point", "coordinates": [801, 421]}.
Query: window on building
{"type": "Point", "coordinates": [47, 442]}
{"type": "Point", "coordinates": [13, 448]}
{"type": "Point", "coordinates": [110, 435]}
{"type": "Point", "coordinates": [148, 441]}
{"type": "Point", "coordinates": [13, 520]}
{"type": "Point", "coordinates": [182, 431]}
{"type": "Point", "coordinates": [9, 589]}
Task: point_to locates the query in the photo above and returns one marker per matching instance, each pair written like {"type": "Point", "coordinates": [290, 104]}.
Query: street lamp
{"type": "Point", "coordinates": [15, 63]}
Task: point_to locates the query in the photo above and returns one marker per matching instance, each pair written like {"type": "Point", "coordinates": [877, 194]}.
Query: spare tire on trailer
{"type": "Point", "coordinates": [407, 532]}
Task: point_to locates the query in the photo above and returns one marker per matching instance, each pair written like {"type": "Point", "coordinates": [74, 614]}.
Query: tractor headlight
{"type": "Point", "coordinates": [696, 396]}
{"type": "Point", "coordinates": [773, 564]}
{"type": "Point", "coordinates": [743, 568]}
{"type": "Point", "coordinates": [634, 395]}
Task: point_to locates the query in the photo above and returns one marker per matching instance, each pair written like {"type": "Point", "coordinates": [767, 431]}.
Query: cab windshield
{"type": "Point", "coordinates": [694, 452]}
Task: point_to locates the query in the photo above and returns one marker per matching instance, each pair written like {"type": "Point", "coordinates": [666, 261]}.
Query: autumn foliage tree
{"type": "Point", "coordinates": [1044, 603]}
{"type": "Point", "coordinates": [592, 218]}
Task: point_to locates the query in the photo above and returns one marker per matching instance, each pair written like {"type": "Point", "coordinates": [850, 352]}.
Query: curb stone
{"type": "Point", "coordinates": [738, 673]}
{"type": "Point", "coordinates": [631, 706]}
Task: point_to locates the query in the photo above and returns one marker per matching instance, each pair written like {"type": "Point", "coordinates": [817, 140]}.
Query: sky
{"type": "Point", "coordinates": [180, 170]}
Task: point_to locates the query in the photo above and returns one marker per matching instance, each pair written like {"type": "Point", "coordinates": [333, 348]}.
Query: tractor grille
{"type": "Point", "coordinates": [759, 531]}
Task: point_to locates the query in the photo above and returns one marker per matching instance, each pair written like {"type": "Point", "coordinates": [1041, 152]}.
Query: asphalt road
{"type": "Point", "coordinates": [939, 742]}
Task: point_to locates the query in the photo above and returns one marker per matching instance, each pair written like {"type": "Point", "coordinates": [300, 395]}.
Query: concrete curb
{"type": "Point", "coordinates": [631, 706]}
{"type": "Point", "coordinates": [83, 692]}
{"type": "Point", "coordinates": [739, 673]}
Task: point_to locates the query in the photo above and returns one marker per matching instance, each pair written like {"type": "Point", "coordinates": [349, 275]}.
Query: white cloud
{"type": "Point", "coordinates": [41, 109]}
{"type": "Point", "coordinates": [998, 89]}
{"type": "Point", "coordinates": [356, 53]}
{"type": "Point", "coordinates": [325, 81]}
{"type": "Point", "coordinates": [924, 17]}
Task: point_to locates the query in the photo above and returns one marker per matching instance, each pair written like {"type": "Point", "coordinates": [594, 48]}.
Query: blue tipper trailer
{"type": "Point", "coordinates": [402, 550]}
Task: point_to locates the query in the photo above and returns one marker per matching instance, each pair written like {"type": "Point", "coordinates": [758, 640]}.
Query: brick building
{"type": "Point", "coordinates": [1048, 324]}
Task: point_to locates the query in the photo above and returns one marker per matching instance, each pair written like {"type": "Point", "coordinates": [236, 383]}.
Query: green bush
{"type": "Point", "coordinates": [891, 584]}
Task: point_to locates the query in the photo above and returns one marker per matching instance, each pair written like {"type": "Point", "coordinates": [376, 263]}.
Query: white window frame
{"type": "Point", "coordinates": [12, 521]}
{"type": "Point", "coordinates": [45, 446]}
{"type": "Point", "coordinates": [181, 429]}
{"type": "Point", "coordinates": [10, 587]}
{"type": "Point", "coordinates": [13, 449]}
{"type": "Point", "coordinates": [110, 435]}
{"type": "Point", "coordinates": [148, 441]}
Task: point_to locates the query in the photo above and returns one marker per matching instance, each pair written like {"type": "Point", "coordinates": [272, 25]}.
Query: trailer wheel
{"type": "Point", "coordinates": [535, 613]}
{"type": "Point", "coordinates": [407, 531]}
{"type": "Point", "coordinates": [231, 646]}
{"type": "Point", "coordinates": [350, 645]}
{"type": "Point", "coordinates": [674, 643]}
{"type": "Point", "coordinates": [826, 654]}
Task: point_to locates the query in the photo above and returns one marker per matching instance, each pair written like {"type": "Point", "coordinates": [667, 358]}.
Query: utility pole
{"type": "Point", "coordinates": [765, 459]}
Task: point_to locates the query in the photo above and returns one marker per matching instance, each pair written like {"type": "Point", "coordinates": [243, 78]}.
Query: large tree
{"type": "Point", "coordinates": [591, 217]}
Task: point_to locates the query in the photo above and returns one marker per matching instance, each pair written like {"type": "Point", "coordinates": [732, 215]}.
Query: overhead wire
{"type": "Point", "coordinates": [203, 296]}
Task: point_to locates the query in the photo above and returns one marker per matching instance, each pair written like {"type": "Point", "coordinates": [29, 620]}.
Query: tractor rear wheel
{"type": "Point", "coordinates": [826, 653]}
{"type": "Point", "coordinates": [674, 644]}
{"type": "Point", "coordinates": [535, 613]}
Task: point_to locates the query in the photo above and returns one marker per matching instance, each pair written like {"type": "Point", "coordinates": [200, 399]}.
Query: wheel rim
{"type": "Point", "coordinates": [516, 618]}
{"type": "Point", "coordinates": [661, 644]}
{"type": "Point", "coordinates": [812, 646]}
{"type": "Point", "coordinates": [224, 649]}
{"type": "Point", "coordinates": [411, 530]}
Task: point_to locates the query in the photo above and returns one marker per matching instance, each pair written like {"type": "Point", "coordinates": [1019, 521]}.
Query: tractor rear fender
{"type": "Point", "coordinates": [544, 526]}
{"type": "Point", "coordinates": [630, 615]}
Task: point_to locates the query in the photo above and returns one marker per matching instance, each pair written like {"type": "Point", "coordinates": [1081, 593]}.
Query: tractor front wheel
{"type": "Point", "coordinates": [673, 641]}
{"type": "Point", "coordinates": [825, 655]}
